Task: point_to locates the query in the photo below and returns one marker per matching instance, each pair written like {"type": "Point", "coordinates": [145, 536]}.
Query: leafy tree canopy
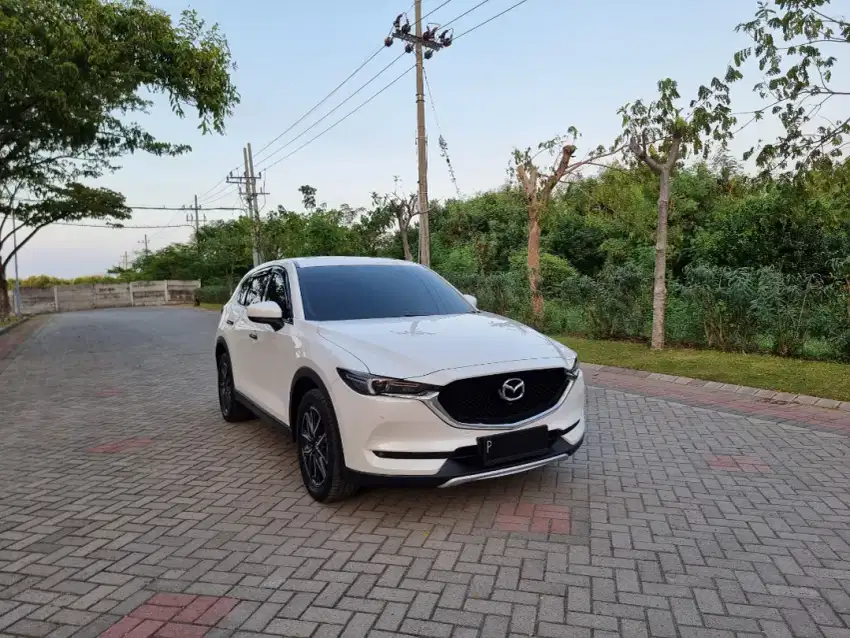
{"type": "Point", "coordinates": [73, 74]}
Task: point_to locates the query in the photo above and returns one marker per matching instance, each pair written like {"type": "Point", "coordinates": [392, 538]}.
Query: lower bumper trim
{"type": "Point", "coordinates": [505, 471]}
{"type": "Point", "coordinates": [454, 473]}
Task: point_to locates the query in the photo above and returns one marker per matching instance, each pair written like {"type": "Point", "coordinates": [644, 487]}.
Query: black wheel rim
{"type": "Point", "coordinates": [314, 446]}
{"type": "Point", "coordinates": [225, 387]}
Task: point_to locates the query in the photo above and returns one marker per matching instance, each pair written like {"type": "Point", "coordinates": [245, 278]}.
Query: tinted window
{"type": "Point", "coordinates": [335, 293]}
{"type": "Point", "coordinates": [254, 289]}
{"type": "Point", "coordinates": [278, 290]}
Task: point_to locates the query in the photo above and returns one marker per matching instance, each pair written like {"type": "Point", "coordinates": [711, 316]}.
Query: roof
{"type": "Point", "coordinates": [309, 262]}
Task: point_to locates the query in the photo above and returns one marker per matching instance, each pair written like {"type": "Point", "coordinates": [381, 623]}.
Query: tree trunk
{"type": "Point", "coordinates": [534, 259]}
{"type": "Point", "coordinates": [5, 305]}
{"type": "Point", "coordinates": [405, 241]}
{"type": "Point", "coordinates": [659, 291]}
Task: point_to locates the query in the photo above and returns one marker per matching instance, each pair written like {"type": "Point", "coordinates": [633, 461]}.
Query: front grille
{"type": "Point", "coordinates": [477, 400]}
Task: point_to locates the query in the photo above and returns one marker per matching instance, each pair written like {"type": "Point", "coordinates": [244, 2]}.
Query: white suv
{"type": "Point", "coordinates": [385, 373]}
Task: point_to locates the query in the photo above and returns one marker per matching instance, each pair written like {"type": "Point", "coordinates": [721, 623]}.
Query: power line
{"type": "Point", "coordinates": [387, 86]}
{"type": "Point", "coordinates": [323, 100]}
{"type": "Point", "coordinates": [227, 192]}
{"type": "Point", "coordinates": [464, 14]}
{"type": "Point", "coordinates": [176, 208]}
{"type": "Point", "coordinates": [342, 119]}
{"type": "Point", "coordinates": [444, 149]}
{"type": "Point", "coordinates": [118, 226]}
{"type": "Point", "coordinates": [498, 15]}
{"type": "Point", "coordinates": [336, 108]}
{"type": "Point", "coordinates": [218, 185]}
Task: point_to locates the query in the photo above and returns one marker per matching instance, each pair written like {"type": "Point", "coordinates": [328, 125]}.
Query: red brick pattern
{"type": "Point", "coordinates": [172, 616]}
{"type": "Point", "coordinates": [115, 447]}
{"type": "Point", "coordinates": [738, 464]}
{"type": "Point", "coordinates": [719, 397]}
{"type": "Point", "coordinates": [529, 517]}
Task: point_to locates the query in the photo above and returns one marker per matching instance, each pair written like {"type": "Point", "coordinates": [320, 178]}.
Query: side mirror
{"type": "Point", "coordinates": [266, 312]}
{"type": "Point", "coordinates": [471, 299]}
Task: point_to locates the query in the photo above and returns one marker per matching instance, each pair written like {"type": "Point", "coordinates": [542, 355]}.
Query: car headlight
{"type": "Point", "coordinates": [364, 383]}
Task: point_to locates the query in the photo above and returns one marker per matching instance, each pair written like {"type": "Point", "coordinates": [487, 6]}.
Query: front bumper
{"type": "Point", "coordinates": [391, 441]}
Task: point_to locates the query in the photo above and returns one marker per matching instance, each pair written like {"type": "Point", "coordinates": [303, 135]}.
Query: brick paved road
{"type": "Point", "coordinates": [127, 506]}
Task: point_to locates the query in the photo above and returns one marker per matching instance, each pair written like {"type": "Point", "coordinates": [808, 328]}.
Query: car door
{"type": "Point", "coordinates": [276, 350]}
{"type": "Point", "coordinates": [243, 347]}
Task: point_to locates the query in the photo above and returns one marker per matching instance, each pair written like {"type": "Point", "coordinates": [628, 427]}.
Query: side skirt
{"type": "Point", "coordinates": [260, 413]}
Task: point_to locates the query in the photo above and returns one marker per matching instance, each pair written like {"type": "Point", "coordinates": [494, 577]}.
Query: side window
{"type": "Point", "coordinates": [254, 289]}
{"type": "Point", "coordinates": [243, 291]}
{"type": "Point", "coordinates": [278, 289]}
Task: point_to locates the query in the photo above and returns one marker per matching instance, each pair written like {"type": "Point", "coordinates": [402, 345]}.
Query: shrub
{"type": "Point", "coordinates": [618, 301]}
{"type": "Point", "coordinates": [212, 294]}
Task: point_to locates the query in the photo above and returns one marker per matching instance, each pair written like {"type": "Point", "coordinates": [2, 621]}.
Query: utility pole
{"type": "Point", "coordinates": [145, 242]}
{"type": "Point", "coordinates": [422, 147]}
{"type": "Point", "coordinates": [251, 194]}
{"type": "Point", "coordinates": [125, 260]}
{"type": "Point", "coordinates": [195, 217]}
{"type": "Point", "coordinates": [416, 43]}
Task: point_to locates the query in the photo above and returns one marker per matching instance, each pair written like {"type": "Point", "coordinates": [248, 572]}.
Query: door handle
{"type": "Point", "coordinates": [253, 335]}
{"type": "Point", "coordinates": [230, 322]}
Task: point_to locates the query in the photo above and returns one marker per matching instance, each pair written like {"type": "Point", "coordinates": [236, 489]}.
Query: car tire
{"type": "Point", "coordinates": [232, 410]}
{"type": "Point", "coordinates": [319, 446]}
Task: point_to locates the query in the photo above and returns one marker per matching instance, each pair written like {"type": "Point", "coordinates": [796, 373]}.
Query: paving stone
{"type": "Point", "coordinates": [128, 507]}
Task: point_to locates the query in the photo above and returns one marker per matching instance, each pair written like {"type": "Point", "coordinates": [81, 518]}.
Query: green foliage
{"type": "Point", "coordinates": [755, 266]}
{"type": "Point", "coordinates": [73, 72]}
{"type": "Point", "coordinates": [795, 44]}
{"type": "Point", "coordinates": [556, 273]}
{"type": "Point", "coordinates": [619, 303]}
{"type": "Point", "coordinates": [217, 294]}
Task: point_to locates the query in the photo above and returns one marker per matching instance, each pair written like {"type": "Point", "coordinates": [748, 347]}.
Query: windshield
{"type": "Point", "coordinates": [338, 293]}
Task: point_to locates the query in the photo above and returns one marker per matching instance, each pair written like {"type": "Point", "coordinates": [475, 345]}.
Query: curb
{"type": "Point", "coordinates": [767, 396]}
{"type": "Point", "coordinates": [11, 326]}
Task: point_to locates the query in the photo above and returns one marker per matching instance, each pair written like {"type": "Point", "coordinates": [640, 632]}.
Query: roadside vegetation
{"type": "Point", "coordinates": [657, 239]}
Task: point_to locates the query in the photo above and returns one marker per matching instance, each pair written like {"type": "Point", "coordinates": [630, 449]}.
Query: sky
{"type": "Point", "coordinates": [521, 79]}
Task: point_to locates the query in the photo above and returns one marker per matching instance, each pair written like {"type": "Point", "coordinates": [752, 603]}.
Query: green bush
{"type": "Point", "coordinates": [212, 294]}
{"type": "Point", "coordinates": [618, 301]}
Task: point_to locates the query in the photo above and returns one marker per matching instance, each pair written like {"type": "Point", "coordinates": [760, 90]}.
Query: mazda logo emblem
{"type": "Point", "coordinates": [512, 390]}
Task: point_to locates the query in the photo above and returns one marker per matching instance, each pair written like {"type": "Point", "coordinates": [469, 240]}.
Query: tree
{"type": "Point", "coordinates": [659, 136]}
{"type": "Point", "coordinates": [788, 40]}
{"type": "Point", "coordinates": [308, 197]}
{"type": "Point", "coordinates": [537, 186]}
{"type": "Point", "coordinates": [73, 72]}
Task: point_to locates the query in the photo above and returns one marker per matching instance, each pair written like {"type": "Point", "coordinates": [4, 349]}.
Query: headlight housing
{"type": "Point", "coordinates": [370, 384]}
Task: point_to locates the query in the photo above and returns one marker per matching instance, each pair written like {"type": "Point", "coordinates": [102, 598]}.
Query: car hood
{"type": "Point", "coordinates": [411, 347]}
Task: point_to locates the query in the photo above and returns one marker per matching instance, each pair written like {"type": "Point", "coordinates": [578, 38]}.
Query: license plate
{"type": "Point", "coordinates": [500, 448]}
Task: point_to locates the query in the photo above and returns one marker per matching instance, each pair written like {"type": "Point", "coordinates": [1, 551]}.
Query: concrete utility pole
{"type": "Point", "coordinates": [416, 43]}
{"type": "Point", "coordinates": [195, 217]}
{"type": "Point", "coordinates": [126, 259]}
{"type": "Point", "coordinates": [145, 242]}
{"type": "Point", "coordinates": [422, 147]}
{"type": "Point", "coordinates": [251, 194]}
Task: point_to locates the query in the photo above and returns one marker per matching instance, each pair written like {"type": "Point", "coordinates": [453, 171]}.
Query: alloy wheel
{"type": "Point", "coordinates": [225, 385]}
{"type": "Point", "coordinates": [314, 446]}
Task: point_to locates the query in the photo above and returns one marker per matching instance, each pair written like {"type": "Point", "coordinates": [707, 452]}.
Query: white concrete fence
{"type": "Point", "coordinates": [118, 295]}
